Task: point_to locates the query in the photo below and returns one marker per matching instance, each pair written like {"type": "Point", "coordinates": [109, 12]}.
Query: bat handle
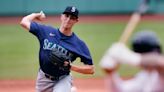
{"type": "Point", "coordinates": [130, 27]}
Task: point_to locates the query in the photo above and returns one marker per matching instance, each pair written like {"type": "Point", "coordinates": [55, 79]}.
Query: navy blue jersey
{"type": "Point", "coordinates": [68, 46]}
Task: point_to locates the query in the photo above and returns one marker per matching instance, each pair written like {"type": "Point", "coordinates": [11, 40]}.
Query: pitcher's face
{"type": "Point", "coordinates": [68, 20]}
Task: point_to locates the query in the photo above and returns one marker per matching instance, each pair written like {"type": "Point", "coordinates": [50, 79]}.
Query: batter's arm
{"type": "Point", "coordinates": [84, 69]}
{"type": "Point", "coordinates": [26, 21]}
{"type": "Point", "coordinates": [153, 61]}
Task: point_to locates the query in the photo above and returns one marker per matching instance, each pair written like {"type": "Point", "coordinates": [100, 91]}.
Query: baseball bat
{"type": "Point", "coordinates": [134, 20]}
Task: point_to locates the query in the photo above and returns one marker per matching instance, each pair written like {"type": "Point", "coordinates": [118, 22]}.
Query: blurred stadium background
{"type": "Point", "coordinates": [51, 7]}
{"type": "Point", "coordinates": [19, 49]}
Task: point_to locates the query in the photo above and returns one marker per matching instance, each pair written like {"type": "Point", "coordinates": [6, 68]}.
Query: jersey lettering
{"type": "Point", "coordinates": [59, 50]}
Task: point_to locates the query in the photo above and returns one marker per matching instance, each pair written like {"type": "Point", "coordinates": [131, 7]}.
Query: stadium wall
{"type": "Point", "coordinates": [52, 7]}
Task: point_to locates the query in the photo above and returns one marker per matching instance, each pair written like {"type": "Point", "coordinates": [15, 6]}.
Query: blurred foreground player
{"type": "Point", "coordinates": [146, 54]}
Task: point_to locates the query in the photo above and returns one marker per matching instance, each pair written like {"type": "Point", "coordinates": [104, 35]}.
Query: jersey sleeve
{"type": "Point", "coordinates": [37, 29]}
{"type": "Point", "coordinates": [86, 56]}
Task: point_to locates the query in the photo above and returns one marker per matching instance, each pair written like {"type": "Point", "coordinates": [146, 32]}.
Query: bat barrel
{"type": "Point", "coordinates": [135, 18]}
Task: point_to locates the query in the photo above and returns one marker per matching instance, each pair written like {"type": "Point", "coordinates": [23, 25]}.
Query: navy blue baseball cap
{"type": "Point", "coordinates": [71, 10]}
{"type": "Point", "coordinates": [146, 41]}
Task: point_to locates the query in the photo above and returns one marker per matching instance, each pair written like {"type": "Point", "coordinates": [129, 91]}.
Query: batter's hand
{"type": "Point", "coordinates": [122, 54]}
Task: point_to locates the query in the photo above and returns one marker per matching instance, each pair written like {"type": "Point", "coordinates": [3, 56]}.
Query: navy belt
{"type": "Point", "coordinates": [54, 78]}
{"type": "Point", "coordinates": [51, 77]}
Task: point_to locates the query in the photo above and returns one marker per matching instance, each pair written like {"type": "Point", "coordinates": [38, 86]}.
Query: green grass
{"type": "Point", "coordinates": [19, 49]}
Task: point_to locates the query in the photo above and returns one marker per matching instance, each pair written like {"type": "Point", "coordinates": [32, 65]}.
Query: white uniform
{"type": "Point", "coordinates": [144, 81]}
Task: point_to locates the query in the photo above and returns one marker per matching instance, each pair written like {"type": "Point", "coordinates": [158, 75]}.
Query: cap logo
{"type": "Point", "coordinates": [73, 9]}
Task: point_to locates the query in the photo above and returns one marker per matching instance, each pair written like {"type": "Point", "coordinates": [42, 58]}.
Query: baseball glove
{"type": "Point", "coordinates": [59, 61]}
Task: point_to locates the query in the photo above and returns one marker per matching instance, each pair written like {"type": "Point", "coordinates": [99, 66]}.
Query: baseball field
{"type": "Point", "coordinates": [19, 49]}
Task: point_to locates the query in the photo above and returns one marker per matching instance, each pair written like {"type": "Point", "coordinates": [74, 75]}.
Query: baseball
{"type": "Point", "coordinates": [42, 15]}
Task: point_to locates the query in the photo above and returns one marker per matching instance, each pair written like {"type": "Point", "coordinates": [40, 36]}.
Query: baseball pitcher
{"type": "Point", "coordinates": [59, 47]}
